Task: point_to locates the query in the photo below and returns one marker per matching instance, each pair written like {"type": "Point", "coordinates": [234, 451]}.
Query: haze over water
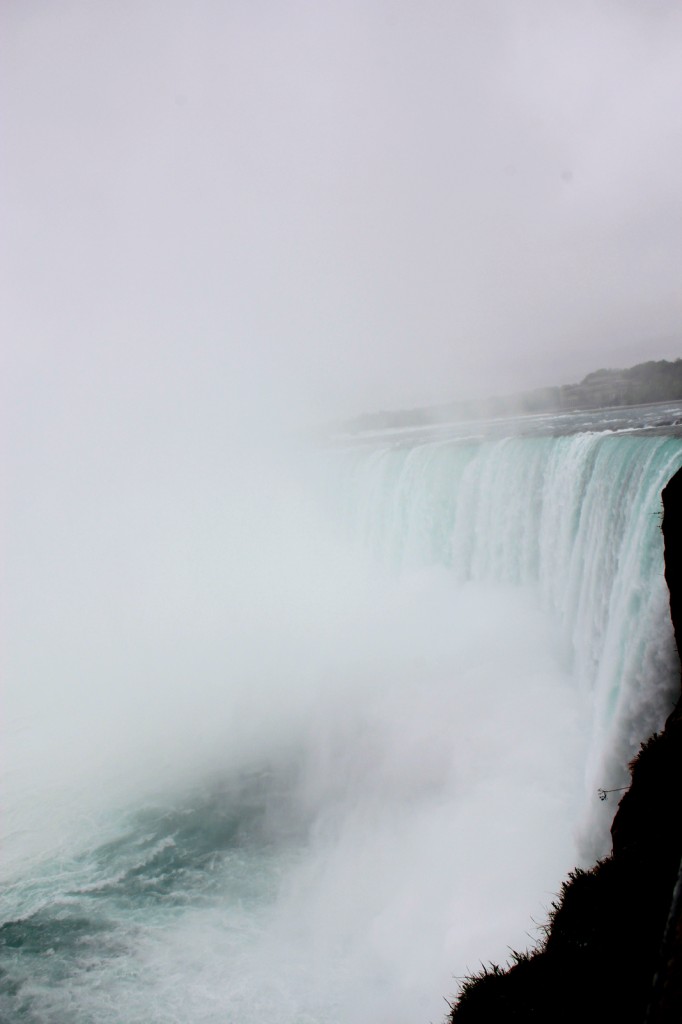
{"type": "Point", "coordinates": [345, 736]}
{"type": "Point", "coordinates": [293, 734]}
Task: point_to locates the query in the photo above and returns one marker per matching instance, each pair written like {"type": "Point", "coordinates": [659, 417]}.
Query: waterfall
{"type": "Point", "coordinates": [342, 739]}
{"type": "Point", "coordinates": [575, 517]}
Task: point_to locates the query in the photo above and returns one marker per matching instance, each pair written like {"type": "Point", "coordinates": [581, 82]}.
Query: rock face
{"type": "Point", "coordinates": [613, 945]}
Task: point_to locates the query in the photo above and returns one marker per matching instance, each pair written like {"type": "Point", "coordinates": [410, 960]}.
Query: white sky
{"type": "Point", "coordinates": [338, 205]}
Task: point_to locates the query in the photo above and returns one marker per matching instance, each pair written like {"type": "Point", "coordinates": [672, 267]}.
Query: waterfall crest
{"type": "Point", "coordinates": [575, 517]}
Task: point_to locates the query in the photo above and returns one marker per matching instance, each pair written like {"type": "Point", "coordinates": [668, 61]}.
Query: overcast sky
{"type": "Point", "coordinates": [338, 205]}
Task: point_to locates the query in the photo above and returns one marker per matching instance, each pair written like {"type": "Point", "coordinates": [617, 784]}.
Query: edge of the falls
{"type": "Point", "coordinates": [612, 948]}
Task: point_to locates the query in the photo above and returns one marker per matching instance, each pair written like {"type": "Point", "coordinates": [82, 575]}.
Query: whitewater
{"type": "Point", "coordinates": [333, 735]}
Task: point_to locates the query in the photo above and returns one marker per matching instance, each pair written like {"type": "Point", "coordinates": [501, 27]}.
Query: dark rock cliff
{"type": "Point", "coordinates": [613, 945]}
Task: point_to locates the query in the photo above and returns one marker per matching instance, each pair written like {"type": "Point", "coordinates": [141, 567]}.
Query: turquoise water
{"type": "Point", "coordinates": [577, 518]}
{"type": "Point", "coordinates": [420, 674]}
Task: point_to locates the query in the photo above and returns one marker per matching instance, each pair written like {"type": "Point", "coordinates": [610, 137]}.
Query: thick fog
{"type": "Point", "coordinates": [222, 224]}
{"type": "Point", "coordinates": [344, 206]}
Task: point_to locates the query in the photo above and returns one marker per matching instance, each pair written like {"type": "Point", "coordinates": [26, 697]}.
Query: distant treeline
{"type": "Point", "coordinates": [655, 381]}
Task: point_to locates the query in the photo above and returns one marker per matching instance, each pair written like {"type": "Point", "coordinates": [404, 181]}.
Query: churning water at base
{"type": "Point", "coordinates": [385, 766]}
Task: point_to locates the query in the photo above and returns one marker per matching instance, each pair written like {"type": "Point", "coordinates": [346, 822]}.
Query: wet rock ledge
{"type": "Point", "coordinates": [613, 944]}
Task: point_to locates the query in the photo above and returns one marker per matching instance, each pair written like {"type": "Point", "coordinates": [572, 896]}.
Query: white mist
{"type": "Point", "coordinates": [422, 740]}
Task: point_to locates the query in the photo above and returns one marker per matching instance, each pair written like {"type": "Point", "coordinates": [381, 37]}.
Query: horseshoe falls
{"type": "Point", "coordinates": [315, 745]}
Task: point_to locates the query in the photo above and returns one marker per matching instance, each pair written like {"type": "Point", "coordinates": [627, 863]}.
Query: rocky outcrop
{"type": "Point", "coordinates": [613, 944]}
